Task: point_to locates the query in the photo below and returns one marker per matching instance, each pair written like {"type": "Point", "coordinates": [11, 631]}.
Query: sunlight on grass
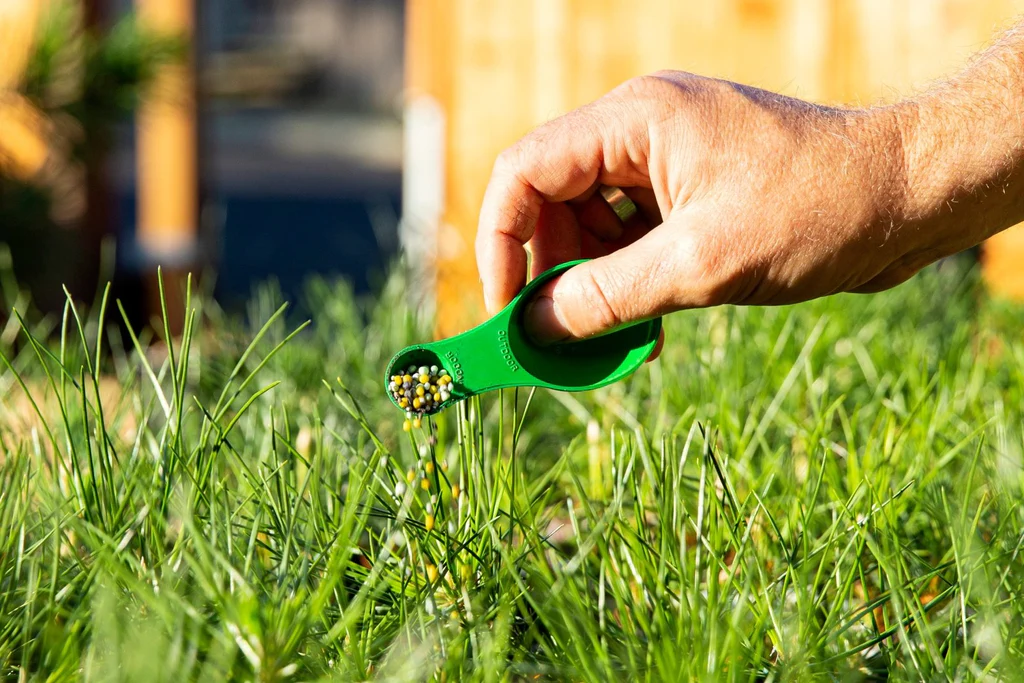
{"type": "Point", "coordinates": [830, 488]}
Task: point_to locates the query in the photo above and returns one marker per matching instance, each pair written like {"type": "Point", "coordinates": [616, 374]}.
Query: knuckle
{"type": "Point", "coordinates": [650, 88]}
{"type": "Point", "coordinates": [526, 158]}
{"type": "Point", "coordinates": [562, 153]}
{"type": "Point", "coordinates": [643, 85]}
{"type": "Point", "coordinates": [673, 85]}
{"type": "Point", "coordinates": [510, 208]}
{"type": "Point", "coordinates": [507, 160]}
{"type": "Point", "coordinates": [661, 80]}
{"type": "Point", "coordinates": [674, 104]}
{"type": "Point", "coordinates": [665, 75]}
{"type": "Point", "coordinates": [530, 162]}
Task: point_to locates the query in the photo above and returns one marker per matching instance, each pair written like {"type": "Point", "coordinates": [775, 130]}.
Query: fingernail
{"type": "Point", "coordinates": [542, 323]}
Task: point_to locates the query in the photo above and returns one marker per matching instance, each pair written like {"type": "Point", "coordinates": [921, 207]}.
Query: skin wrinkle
{"type": "Point", "coordinates": [701, 134]}
{"type": "Point", "coordinates": [526, 210]}
{"type": "Point", "coordinates": [600, 302]}
{"type": "Point", "coordinates": [635, 156]}
{"type": "Point", "coordinates": [631, 164]}
{"type": "Point", "coordinates": [543, 171]}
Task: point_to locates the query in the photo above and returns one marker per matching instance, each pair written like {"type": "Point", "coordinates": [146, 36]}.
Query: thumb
{"type": "Point", "coordinates": [632, 284]}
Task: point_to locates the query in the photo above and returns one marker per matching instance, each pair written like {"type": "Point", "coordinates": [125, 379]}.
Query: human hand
{"type": "Point", "coordinates": [744, 197]}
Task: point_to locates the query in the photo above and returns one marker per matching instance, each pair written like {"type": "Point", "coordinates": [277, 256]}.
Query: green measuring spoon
{"type": "Point", "coordinates": [498, 354]}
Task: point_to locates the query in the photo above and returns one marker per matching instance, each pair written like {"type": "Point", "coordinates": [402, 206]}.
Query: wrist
{"type": "Point", "coordinates": [963, 149]}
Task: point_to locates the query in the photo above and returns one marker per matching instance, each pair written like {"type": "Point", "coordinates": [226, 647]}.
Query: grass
{"type": "Point", "coordinates": [823, 491]}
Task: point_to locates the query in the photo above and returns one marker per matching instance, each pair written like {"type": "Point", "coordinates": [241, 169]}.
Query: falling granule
{"type": "Point", "coordinates": [420, 390]}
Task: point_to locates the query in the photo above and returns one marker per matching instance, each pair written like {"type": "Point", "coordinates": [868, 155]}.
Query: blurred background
{"type": "Point", "coordinates": [271, 147]}
{"type": "Point", "coordinates": [252, 139]}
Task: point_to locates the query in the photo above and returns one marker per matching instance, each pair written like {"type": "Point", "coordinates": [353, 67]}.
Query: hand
{"type": "Point", "coordinates": [744, 197]}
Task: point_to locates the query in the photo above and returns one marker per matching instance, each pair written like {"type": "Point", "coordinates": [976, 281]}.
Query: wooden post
{"type": "Point", "coordinates": [168, 205]}
{"type": "Point", "coordinates": [18, 22]}
{"type": "Point", "coordinates": [496, 69]}
{"type": "Point", "coordinates": [428, 71]}
{"type": "Point", "coordinates": [23, 149]}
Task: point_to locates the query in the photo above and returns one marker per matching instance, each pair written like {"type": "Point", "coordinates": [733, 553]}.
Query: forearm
{"type": "Point", "coordinates": [964, 149]}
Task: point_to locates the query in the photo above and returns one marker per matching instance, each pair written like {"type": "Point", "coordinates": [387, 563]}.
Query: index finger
{"type": "Point", "coordinates": [559, 161]}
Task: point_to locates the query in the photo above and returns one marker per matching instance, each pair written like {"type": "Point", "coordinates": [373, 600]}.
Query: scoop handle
{"type": "Point", "coordinates": [481, 359]}
{"type": "Point", "coordinates": [485, 358]}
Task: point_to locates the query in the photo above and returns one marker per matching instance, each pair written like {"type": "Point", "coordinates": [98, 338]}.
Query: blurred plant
{"type": "Point", "coordinates": [76, 85]}
{"type": "Point", "coordinates": [86, 82]}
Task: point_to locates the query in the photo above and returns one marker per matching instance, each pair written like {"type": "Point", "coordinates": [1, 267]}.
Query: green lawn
{"type": "Point", "coordinates": [829, 490]}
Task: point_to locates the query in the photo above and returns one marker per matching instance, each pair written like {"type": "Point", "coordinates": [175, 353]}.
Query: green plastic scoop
{"type": "Point", "coordinates": [498, 354]}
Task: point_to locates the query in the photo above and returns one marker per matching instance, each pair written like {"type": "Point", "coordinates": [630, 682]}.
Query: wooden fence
{"type": "Point", "coordinates": [481, 73]}
{"type": "Point", "coordinates": [492, 70]}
